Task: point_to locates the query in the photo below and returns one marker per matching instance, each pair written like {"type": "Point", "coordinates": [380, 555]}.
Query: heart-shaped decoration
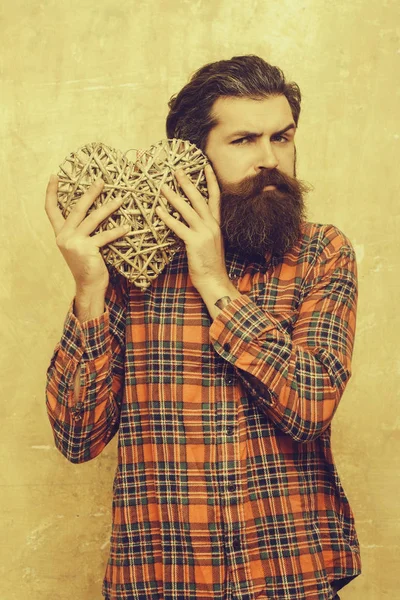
{"type": "Point", "coordinates": [142, 254]}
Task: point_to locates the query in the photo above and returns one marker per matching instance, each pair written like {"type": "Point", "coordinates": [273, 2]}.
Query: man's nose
{"type": "Point", "coordinates": [266, 158]}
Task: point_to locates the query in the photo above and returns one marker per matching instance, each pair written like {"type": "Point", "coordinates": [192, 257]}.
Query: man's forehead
{"type": "Point", "coordinates": [231, 113]}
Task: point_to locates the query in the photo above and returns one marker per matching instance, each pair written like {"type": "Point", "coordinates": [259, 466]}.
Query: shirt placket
{"type": "Point", "coordinates": [230, 486]}
{"type": "Point", "coordinates": [238, 579]}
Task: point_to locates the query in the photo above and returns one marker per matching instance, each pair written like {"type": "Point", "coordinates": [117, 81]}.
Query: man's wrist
{"type": "Point", "coordinates": [89, 304]}
{"type": "Point", "coordinates": [222, 302]}
{"type": "Point", "coordinates": [218, 294]}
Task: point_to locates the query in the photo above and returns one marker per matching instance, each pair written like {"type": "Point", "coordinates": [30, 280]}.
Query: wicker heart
{"type": "Point", "coordinates": [142, 254]}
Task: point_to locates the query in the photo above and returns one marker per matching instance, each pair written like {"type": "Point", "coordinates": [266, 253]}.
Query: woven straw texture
{"type": "Point", "coordinates": [142, 254]}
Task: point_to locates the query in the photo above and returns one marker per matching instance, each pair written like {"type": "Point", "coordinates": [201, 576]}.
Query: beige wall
{"type": "Point", "coordinates": [82, 71]}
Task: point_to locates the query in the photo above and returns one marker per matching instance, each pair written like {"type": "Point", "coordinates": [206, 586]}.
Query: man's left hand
{"type": "Point", "coordinates": [200, 232]}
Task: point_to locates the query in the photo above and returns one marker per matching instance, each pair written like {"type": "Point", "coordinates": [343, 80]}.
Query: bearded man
{"type": "Point", "coordinates": [223, 377]}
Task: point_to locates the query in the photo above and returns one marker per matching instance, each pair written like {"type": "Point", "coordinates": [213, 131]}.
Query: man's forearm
{"type": "Point", "coordinates": [214, 292]}
{"type": "Point", "coordinates": [89, 304]}
{"type": "Point", "coordinates": [85, 375]}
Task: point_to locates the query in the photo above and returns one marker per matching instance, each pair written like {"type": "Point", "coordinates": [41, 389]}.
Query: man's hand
{"type": "Point", "coordinates": [80, 249]}
{"type": "Point", "coordinates": [202, 236]}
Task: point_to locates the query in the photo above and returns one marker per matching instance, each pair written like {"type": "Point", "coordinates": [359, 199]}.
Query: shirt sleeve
{"type": "Point", "coordinates": [297, 378]}
{"type": "Point", "coordinates": [84, 427]}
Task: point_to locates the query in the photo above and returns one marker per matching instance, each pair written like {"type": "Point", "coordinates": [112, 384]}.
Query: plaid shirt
{"type": "Point", "coordinates": [226, 486]}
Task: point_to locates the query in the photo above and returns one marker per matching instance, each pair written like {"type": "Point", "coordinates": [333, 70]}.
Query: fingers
{"type": "Point", "coordinates": [192, 193]}
{"type": "Point", "coordinates": [93, 220]}
{"type": "Point", "coordinates": [197, 200]}
{"type": "Point", "coordinates": [110, 235]}
{"type": "Point", "coordinates": [198, 206]}
{"type": "Point", "coordinates": [181, 206]}
{"type": "Point", "coordinates": [78, 212]}
{"type": "Point", "coordinates": [89, 223]}
{"type": "Point", "coordinates": [176, 226]}
{"type": "Point", "coordinates": [214, 194]}
{"type": "Point", "coordinates": [53, 212]}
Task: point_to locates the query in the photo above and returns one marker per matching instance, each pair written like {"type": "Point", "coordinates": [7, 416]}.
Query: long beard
{"type": "Point", "coordinates": [255, 221]}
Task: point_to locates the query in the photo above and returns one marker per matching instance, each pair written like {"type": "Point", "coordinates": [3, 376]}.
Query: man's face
{"type": "Point", "coordinates": [251, 135]}
{"type": "Point", "coordinates": [252, 152]}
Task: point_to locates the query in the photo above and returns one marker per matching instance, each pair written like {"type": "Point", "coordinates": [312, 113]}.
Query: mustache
{"type": "Point", "coordinates": [252, 186]}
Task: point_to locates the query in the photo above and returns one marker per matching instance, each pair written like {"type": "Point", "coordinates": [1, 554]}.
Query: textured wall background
{"type": "Point", "coordinates": [84, 71]}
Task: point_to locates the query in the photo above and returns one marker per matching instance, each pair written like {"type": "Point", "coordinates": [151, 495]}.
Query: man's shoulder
{"type": "Point", "coordinates": [323, 239]}
{"type": "Point", "coordinates": [318, 245]}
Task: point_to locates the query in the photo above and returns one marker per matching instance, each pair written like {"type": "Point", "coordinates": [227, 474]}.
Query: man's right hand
{"type": "Point", "coordinates": [80, 249]}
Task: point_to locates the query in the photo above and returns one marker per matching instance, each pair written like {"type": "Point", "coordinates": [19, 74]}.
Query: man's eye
{"type": "Point", "coordinates": [241, 141]}
{"type": "Point", "coordinates": [280, 138]}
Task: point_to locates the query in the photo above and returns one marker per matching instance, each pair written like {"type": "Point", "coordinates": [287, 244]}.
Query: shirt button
{"type": "Point", "coordinates": [229, 379]}
{"type": "Point", "coordinates": [231, 487]}
{"type": "Point", "coordinates": [236, 543]}
{"type": "Point", "coordinates": [77, 411]}
{"type": "Point", "coordinates": [230, 430]}
{"type": "Point", "coordinates": [227, 347]}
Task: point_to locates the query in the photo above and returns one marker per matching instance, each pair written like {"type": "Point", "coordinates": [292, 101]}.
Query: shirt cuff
{"type": "Point", "coordinates": [239, 325]}
{"type": "Point", "coordinates": [87, 340]}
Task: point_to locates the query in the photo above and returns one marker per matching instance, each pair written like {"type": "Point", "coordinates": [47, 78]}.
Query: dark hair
{"type": "Point", "coordinates": [190, 117]}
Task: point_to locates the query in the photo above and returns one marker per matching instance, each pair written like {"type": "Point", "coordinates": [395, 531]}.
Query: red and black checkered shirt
{"type": "Point", "coordinates": [226, 487]}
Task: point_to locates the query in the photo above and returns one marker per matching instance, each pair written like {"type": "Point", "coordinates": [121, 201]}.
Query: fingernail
{"type": "Point", "coordinates": [179, 172]}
